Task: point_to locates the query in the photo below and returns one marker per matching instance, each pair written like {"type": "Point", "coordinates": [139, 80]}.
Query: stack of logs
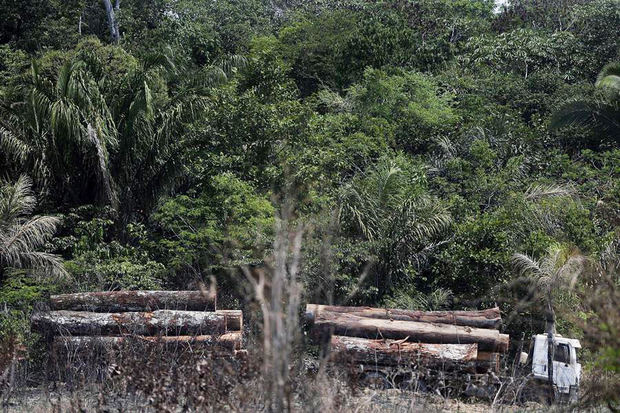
{"type": "Point", "coordinates": [185, 318]}
{"type": "Point", "coordinates": [468, 340]}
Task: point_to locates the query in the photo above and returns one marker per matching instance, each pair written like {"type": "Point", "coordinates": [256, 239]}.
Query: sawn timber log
{"type": "Point", "coordinates": [326, 324]}
{"type": "Point", "coordinates": [489, 318]}
{"type": "Point", "coordinates": [393, 352]}
{"type": "Point", "coordinates": [119, 301]}
{"type": "Point", "coordinates": [159, 322]}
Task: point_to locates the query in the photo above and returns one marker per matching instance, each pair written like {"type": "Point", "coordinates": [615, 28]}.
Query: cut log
{"type": "Point", "coordinates": [230, 341]}
{"type": "Point", "coordinates": [326, 324]}
{"type": "Point", "coordinates": [490, 318]}
{"type": "Point", "coordinates": [392, 353]}
{"type": "Point", "coordinates": [160, 322]}
{"type": "Point", "coordinates": [488, 361]}
{"type": "Point", "coordinates": [487, 356]}
{"type": "Point", "coordinates": [119, 301]}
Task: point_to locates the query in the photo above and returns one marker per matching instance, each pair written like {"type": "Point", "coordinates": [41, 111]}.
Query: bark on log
{"type": "Point", "coordinates": [230, 341]}
{"type": "Point", "coordinates": [489, 318]}
{"type": "Point", "coordinates": [160, 322]}
{"type": "Point", "coordinates": [392, 353]}
{"type": "Point", "coordinates": [326, 324]}
{"type": "Point", "coordinates": [119, 301]}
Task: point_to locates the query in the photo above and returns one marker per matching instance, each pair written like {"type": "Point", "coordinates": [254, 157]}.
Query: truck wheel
{"type": "Point", "coordinates": [535, 392]}
{"type": "Point", "coordinates": [573, 394]}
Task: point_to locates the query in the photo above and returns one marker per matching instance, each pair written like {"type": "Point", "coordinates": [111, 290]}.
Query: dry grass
{"type": "Point", "coordinates": [152, 378]}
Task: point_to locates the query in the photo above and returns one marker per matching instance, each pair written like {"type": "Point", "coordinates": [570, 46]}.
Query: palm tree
{"type": "Point", "coordinates": [601, 115]}
{"type": "Point", "coordinates": [22, 236]}
{"type": "Point", "coordinates": [152, 135]}
{"type": "Point", "coordinates": [109, 141]}
{"type": "Point", "coordinates": [62, 134]}
{"type": "Point", "coordinates": [390, 209]}
{"type": "Point", "coordinates": [557, 271]}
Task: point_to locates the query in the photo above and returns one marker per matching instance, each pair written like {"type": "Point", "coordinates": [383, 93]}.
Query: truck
{"type": "Point", "coordinates": [565, 368]}
{"type": "Point", "coordinates": [455, 354]}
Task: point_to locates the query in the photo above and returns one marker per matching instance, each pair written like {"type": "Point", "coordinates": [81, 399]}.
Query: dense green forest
{"type": "Point", "coordinates": [438, 154]}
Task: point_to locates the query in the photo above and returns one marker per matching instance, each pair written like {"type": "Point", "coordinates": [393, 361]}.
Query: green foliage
{"type": "Point", "coordinates": [99, 262]}
{"type": "Point", "coordinates": [199, 30]}
{"type": "Point", "coordinates": [333, 49]}
{"type": "Point", "coordinates": [388, 207]}
{"type": "Point", "coordinates": [337, 146]}
{"type": "Point", "coordinates": [115, 136]}
{"type": "Point", "coordinates": [22, 292]}
{"type": "Point", "coordinates": [413, 136]}
{"type": "Point", "coordinates": [594, 25]}
{"type": "Point", "coordinates": [409, 101]}
{"type": "Point", "coordinates": [226, 225]}
{"type": "Point", "coordinates": [38, 24]}
{"type": "Point", "coordinates": [436, 300]}
{"type": "Point", "coordinates": [601, 113]}
{"type": "Point", "coordinates": [247, 136]}
{"type": "Point", "coordinates": [525, 51]}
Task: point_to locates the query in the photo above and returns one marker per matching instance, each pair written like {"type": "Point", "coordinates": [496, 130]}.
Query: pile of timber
{"type": "Point", "coordinates": [113, 318]}
{"type": "Point", "coordinates": [468, 340]}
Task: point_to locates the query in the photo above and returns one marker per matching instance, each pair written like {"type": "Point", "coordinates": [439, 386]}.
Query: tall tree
{"type": "Point", "coordinates": [390, 208]}
{"type": "Point", "coordinates": [111, 11]}
{"type": "Point", "coordinates": [556, 271]}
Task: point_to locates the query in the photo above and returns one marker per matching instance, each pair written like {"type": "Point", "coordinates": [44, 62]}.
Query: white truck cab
{"type": "Point", "coordinates": [566, 369]}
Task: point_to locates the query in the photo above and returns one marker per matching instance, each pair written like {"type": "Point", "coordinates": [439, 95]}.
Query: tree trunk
{"type": "Point", "coordinates": [112, 22]}
{"type": "Point", "coordinates": [391, 352]}
{"type": "Point", "coordinates": [326, 323]}
{"type": "Point", "coordinates": [230, 341]}
{"type": "Point", "coordinates": [160, 322]}
{"type": "Point", "coordinates": [490, 318]}
{"type": "Point", "coordinates": [119, 301]}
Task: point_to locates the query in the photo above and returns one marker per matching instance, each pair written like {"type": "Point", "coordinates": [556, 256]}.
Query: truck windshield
{"type": "Point", "coordinates": [562, 353]}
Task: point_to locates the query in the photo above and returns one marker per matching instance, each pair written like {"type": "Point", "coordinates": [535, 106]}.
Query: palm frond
{"type": "Point", "coordinates": [540, 191]}
{"type": "Point", "coordinates": [609, 77]}
{"type": "Point", "coordinates": [16, 200]}
{"type": "Point", "coordinates": [103, 173]}
{"type": "Point", "coordinates": [439, 299]}
{"type": "Point", "coordinates": [571, 270]}
{"type": "Point", "coordinates": [30, 234]}
{"type": "Point", "coordinates": [41, 264]}
{"type": "Point", "coordinates": [13, 146]}
{"type": "Point", "coordinates": [20, 236]}
{"type": "Point", "coordinates": [609, 82]}
{"type": "Point", "coordinates": [526, 266]}
{"type": "Point", "coordinates": [66, 121]}
{"type": "Point", "coordinates": [229, 64]}
{"type": "Point", "coordinates": [160, 60]}
{"type": "Point", "coordinates": [578, 112]}
{"type": "Point", "coordinates": [610, 256]}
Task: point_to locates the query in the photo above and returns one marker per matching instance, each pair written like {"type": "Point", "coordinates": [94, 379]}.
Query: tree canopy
{"type": "Point", "coordinates": [423, 143]}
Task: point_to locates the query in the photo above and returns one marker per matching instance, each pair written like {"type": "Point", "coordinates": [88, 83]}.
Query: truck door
{"type": "Point", "coordinates": [564, 374]}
